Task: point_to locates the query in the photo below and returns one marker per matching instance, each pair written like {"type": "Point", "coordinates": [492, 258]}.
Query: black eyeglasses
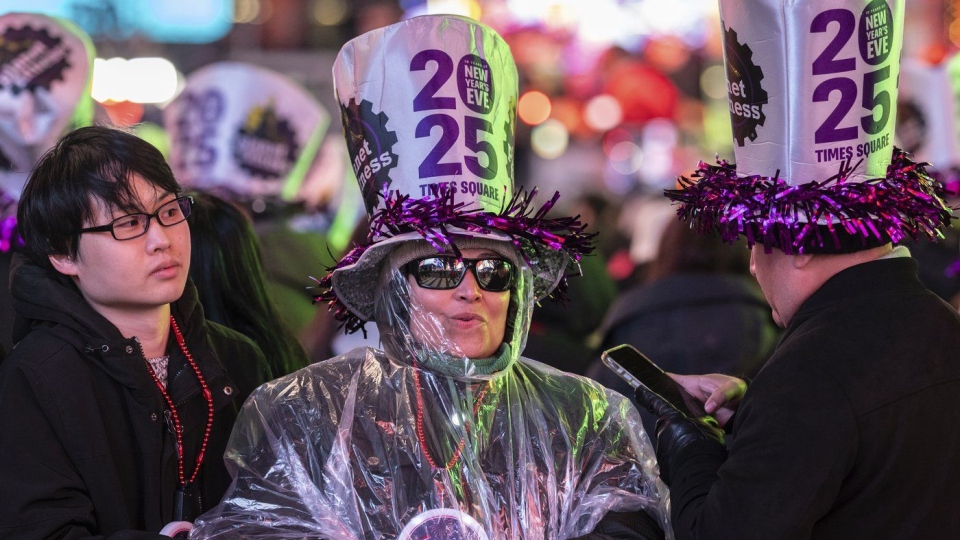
{"type": "Point", "coordinates": [446, 272]}
{"type": "Point", "coordinates": [131, 226]}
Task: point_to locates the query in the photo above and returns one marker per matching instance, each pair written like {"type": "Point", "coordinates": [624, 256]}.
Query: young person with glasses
{"type": "Point", "coordinates": [445, 430]}
{"type": "Point", "coordinates": [119, 397]}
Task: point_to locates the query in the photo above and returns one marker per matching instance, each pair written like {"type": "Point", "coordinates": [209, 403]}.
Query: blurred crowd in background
{"type": "Point", "coordinates": [617, 98]}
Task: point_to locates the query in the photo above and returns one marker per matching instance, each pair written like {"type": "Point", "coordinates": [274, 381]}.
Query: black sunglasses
{"type": "Point", "coordinates": [132, 226]}
{"type": "Point", "coordinates": [446, 272]}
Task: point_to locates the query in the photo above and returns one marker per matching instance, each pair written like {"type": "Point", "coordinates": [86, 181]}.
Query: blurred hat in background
{"type": "Point", "coordinates": [246, 132]}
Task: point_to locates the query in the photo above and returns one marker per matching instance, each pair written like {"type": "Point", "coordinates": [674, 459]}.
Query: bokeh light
{"type": "Point", "coordinates": [533, 107]}
{"type": "Point", "coordinates": [953, 31]}
{"type": "Point", "coordinates": [626, 157]}
{"type": "Point", "coordinates": [550, 139]}
{"type": "Point", "coordinates": [246, 11]}
{"type": "Point", "coordinates": [614, 137]}
{"type": "Point", "coordinates": [642, 91]}
{"type": "Point", "coordinates": [659, 140]}
{"type": "Point", "coordinates": [624, 23]}
{"type": "Point", "coordinates": [602, 112]}
{"type": "Point", "coordinates": [138, 80]}
{"type": "Point", "coordinates": [713, 82]}
{"type": "Point", "coordinates": [467, 8]}
{"type": "Point", "coordinates": [252, 11]}
{"type": "Point", "coordinates": [569, 111]}
{"type": "Point", "coordinates": [330, 12]}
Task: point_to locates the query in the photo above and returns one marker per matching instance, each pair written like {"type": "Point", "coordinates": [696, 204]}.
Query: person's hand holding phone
{"type": "Point", "coordinates": [682, 420]}
{"type": "Point", "coordinates": [720, 394]}
{"type": "Point", "coordinates": [677, 431]}
{"type": "Point", "coordinates": [637, 370]}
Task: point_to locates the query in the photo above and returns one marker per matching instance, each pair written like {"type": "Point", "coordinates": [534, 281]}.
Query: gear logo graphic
{"type": "Point", "coordinates": [745, 94]}
{"type": "Point", "coordinates": [370, 143]}
{"type": "Point", "coordinates": [266, 144]}
{"type": "Point", "coordinates": [31, 59]}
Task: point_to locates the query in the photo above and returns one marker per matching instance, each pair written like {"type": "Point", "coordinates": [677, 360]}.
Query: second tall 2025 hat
{"type": "Point", "coordinates": [812, 89]}
{"type": "Point", "coordinates": [428, 108]}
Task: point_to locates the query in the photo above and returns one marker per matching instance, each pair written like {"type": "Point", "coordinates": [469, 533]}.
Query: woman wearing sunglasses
{"type": "Point", "coordinates": [445, 430]}
{"type": "Point", "coordinates": [463, 300]}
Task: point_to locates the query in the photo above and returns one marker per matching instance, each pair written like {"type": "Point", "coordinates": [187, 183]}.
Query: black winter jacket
{"type": "Point", "coordinates": [87, 452]}
{"type": "Point", "coordinates": [849, 430]}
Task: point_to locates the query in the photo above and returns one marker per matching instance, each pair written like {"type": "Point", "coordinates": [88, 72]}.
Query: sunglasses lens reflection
{"type": "Point", "coordinates": [493, 275]}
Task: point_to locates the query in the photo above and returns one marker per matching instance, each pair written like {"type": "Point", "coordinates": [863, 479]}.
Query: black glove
{"type": "Point", "coordinates": [635, 525]}
{"type": "Point", "coordinates": [675, 431]}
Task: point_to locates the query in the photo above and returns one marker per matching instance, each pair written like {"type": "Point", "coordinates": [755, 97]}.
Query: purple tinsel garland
{"type": "Point", "coordinates": [8, 223]}
{"type": "Point", "coordinates": [908, 202]}
{"type": "Point", "coordinates": [431, 217]}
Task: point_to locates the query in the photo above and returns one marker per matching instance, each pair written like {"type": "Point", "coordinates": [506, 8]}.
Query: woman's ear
{"type": "Point", "coordinates": [64, 264]}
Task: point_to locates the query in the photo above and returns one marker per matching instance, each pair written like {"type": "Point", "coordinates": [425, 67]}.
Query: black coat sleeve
{"type": "Point", "coordinates": [41, 494]}
{"type": "Point", "coordinates": [637, 525]}
{"type": "Point", "coordinates": [784, 465]}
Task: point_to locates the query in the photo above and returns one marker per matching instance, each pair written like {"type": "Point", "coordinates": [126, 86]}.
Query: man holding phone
{"type": "Point", "coordinates": [849, 429]}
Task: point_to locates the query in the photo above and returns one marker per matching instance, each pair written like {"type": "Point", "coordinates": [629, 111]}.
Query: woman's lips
{"type": "Point", "coordinates": [465, 320]}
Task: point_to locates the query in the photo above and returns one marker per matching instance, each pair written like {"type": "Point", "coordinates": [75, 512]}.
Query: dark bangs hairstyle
{"type": "Point", "coordinates": [227, 268]}
{"type": "Point", "coordinates": [87, 167]}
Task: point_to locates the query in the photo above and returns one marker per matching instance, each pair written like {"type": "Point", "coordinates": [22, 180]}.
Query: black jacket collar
{"type": "Point", "coordinates": [869, 279]}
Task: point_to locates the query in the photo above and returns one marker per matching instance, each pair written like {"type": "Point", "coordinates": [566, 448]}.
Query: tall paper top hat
{"type": "Point", "coordinates": [45, 76]}
{"type": "Point", "coordinates": [244, 130]}
{"type": "Point", "coordinates": [428, 108]}
{"type": "Point", "coordinates": [812, 89]}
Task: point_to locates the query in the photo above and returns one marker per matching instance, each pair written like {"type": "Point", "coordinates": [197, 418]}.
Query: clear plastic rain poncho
{"type": "Point", "coordinates": [416, 441]}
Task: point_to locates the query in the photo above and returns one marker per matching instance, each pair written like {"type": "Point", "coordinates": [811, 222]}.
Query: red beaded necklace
{"type": "Point", "coordinates": [466, 427]}
{"type": "Point", "coordinates": [177, 427]}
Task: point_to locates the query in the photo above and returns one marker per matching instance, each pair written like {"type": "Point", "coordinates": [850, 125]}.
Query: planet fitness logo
{"type": "Point", "coordinates": [443, 524]}
{"type": "Point", "coordinates": [746, 96]}
{"type": "Point", "coordinates": [31, 59]}
{"type": "Point", "coordinates": [266, 145]}
{"type": "Point", "coordinates": [370, 143]}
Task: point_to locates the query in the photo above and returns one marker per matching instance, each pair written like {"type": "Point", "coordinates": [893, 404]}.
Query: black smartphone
{"type": "Point", "coordinates": [635, 368]}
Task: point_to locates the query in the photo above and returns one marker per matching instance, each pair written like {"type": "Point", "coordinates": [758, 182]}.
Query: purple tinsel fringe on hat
{"type": "Point", "coordinates": [8, 223]}
{"type": "Point", "coordinates": [812, 217]}
{"type": "Point", "coordinates": [432, 217]}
